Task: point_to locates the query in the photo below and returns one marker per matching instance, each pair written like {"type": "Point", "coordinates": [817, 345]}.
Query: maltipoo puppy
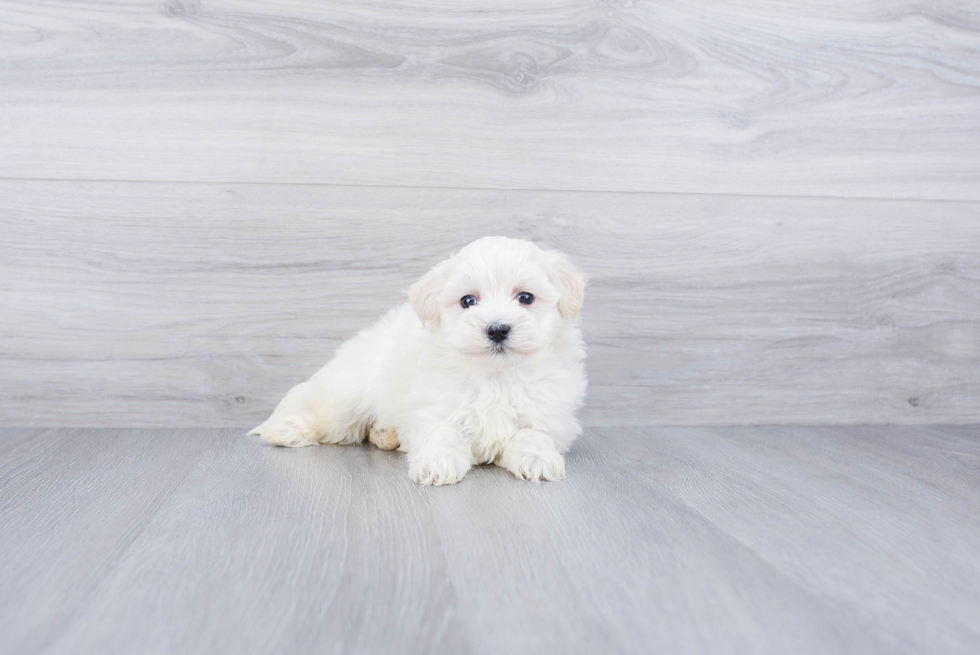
{"type": "Point", "coordinates": [485, 364]}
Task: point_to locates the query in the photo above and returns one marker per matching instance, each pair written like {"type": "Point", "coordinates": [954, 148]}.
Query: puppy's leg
{"type": "Point", "coordinates": [439, 455]}
{"type": "Point", "coordinates": [313, 412]}
{"type": "Point", "coordinates": [532, 455]}
{"type": "Point", "coordinates": [337, 404]}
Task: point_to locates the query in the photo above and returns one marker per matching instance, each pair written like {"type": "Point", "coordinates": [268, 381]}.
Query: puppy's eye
{"type": "Point", "coordinates": [467, 301]}
{"type": "Point", "coordinates": [525, 298]}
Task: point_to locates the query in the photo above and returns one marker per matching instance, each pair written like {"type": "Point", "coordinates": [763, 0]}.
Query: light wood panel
{"type": "Point", "coordinates": [680, 540]}
{"type": "Point", "coordinates": [200, 305]}
{"type": "Point", "coordinates": [263, 550]}
{"type": "Point", "coordinates": [71, 503]}
{"type": "Point", "coordinates": [876, 98]}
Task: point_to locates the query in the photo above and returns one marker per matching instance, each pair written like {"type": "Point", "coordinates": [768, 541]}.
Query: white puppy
{"type": "Point", "coordinates": [486, 364]}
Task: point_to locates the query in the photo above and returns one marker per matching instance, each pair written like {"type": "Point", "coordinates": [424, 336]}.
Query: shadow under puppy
{"type": "Point", "coordinates": [485, 364]}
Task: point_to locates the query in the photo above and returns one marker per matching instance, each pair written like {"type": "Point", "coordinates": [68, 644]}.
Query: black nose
{"type": "Point", "coordinates": [498, 332]}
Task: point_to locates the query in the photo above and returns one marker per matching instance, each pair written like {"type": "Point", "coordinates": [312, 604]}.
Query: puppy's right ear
{"type": "Point", "coordinates": [424, 294]}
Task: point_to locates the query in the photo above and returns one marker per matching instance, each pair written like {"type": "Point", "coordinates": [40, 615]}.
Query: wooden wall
{"type": "Point", "coordinates": [779, 205]}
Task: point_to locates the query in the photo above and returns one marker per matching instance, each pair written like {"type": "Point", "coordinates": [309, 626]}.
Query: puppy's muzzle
{"type": "Point", "coordinates": [497, 332]}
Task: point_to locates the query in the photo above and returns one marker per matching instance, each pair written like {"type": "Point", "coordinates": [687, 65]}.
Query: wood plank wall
{"type": "Point", "coordinates": [779, 204]}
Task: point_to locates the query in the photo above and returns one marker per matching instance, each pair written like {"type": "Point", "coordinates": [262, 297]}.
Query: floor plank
{"type": "Point", "coordinates": [849, 514]}
{"type": "Point", "coordinates": [200, 305]}
{"type": "Point", "coordinates": [767, 540]}
{"type": "Point", "coordinates": [72, 502]}
{"type": "Point", "coordinates": [862, 99]}
{"type": "Point", "coordinates": [610, 561]}
{"type": "Point", "coordinates": [269, 550]}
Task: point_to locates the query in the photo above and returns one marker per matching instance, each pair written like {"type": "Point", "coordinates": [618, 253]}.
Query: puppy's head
{"type": "Point", "coordinates": [500, 298]}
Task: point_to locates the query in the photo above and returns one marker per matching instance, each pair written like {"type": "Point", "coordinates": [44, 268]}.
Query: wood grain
{"type": "Point", "coordinates": [200, 305]}
{"type": "Point", "coordinates": [613, 563]}
{"type": "Point", "coordinates": [801, 499]}
{"type": "Point", "coordinates": [869, 99]}
{"type": "Point", "coordinates": [681, 540]}
{"type": "Point", "coordinates": [267, 550]}
{"type": "Point", "coordinates": [72, 502]}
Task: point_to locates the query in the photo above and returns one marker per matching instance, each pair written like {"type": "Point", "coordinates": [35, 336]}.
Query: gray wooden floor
{"type": "Point", "coordinates": [762, 540]}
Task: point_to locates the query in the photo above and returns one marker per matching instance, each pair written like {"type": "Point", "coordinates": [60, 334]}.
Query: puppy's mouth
{"type": "Point", "coordinates": [506, 349]}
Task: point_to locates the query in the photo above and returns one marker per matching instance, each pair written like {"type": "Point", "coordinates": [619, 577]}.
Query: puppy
{"type": "Point", "coordinates": [485, 364]}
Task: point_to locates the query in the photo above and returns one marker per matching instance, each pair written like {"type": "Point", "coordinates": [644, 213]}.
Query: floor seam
{"type": "Point", "coordinates": [339, 185]}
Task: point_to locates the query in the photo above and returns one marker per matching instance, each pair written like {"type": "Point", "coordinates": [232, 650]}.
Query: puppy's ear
{"type": "Point", "coordinates": [424, 294]}
{"type": "Point", "coordinates": [569, 281]}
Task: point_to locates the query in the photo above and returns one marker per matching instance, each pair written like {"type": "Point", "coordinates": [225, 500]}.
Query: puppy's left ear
{"type": "Point", "coordinates": [424, 294]}
{"type": "Point", "coordinates": [569, 281]}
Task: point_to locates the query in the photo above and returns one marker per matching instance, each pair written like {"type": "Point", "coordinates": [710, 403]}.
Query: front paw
{"type": "Point", "coordinates": [438, 466]}
{"type": "Point", "coordinates": [536, 465]}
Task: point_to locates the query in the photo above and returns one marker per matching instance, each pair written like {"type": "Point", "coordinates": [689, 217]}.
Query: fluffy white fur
{"type": "Point", "coordinates": [427, 378]}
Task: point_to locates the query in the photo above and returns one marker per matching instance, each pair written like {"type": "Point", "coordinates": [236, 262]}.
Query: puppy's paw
{"type": "Point", "coordinates": [292, 432]}
{"type": "Point", "coordinates": [536, 465]}
{"type": "Point", "coordinates": [438, 466]}
{"type": "Point", "coordinates": [383, 438]}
